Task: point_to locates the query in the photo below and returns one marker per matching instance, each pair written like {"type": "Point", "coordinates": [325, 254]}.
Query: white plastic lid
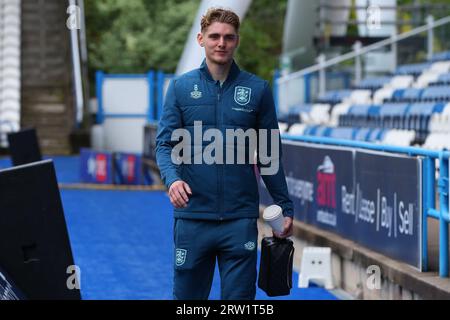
{"type": "Point", "coordinates": [272, 212]}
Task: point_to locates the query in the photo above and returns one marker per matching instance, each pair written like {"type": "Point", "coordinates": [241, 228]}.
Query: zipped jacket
{"type": "Point", "coordinates": [220, 190]}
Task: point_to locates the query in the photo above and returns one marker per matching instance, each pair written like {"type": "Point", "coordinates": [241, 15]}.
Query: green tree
{"type": "Point", "coordinates": [262, 37]}
{"type": "Point", "coordinates": [135, 36]}
{"type": "Point", "coordinates": [138, 35]}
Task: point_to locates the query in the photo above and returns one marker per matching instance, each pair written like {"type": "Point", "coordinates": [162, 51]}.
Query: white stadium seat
{"type": "Point", "coordinates": [283, 127]}
{"type": "Point", "coordinates": [320, 113]}
{"type": "Point", "coordinates": [400, 82]}
{"type": "Point", "coordinates": [339, 109]}
{"type": "Point", "coordinates": [402, 138]}
{"type": "Point", "coordinates": [437, 141]}
{"type": "Point", "coordinates": [297, 129]}
{"type": "Point", "coordinates": [440, 122]}
{"type": "Point", "coordinates": [432, 74]}
{"type": "Point", "coordinates": [359, 97]}
{"type": "Point", "coordinates": [397, 82]}
{"type": "Point", "coordinates": [440, 67]}
{"type": "Point", "coordinates": [381, 94]}
{"type": "Point", "coordinates": [425, 79]}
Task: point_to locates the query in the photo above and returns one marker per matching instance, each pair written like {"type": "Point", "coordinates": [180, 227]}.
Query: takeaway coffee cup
{"type": "Point", "coordinates": [273, 215]}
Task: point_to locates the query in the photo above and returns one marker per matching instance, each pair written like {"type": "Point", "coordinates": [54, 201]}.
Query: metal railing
{"type": "Point", "coordinates": [359, 51]}
{"type": "Point", "coordinates": [428, 189]}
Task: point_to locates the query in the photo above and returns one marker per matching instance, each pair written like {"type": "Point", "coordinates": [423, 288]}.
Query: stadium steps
{"type": "Point", "coordinates": [47, 89]}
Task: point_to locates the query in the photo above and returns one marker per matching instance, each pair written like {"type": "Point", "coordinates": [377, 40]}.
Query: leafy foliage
{"type": "Point", "coordinates": [138, 35]}
{"type": "Point", "coordinates": [134, 36]}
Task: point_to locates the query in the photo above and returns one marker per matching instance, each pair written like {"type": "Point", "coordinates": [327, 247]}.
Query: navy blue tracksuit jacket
{"type": "Point", "coordinates": [219, 191]}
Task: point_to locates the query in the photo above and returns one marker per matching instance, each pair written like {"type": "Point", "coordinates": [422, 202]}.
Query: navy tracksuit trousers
{"type": "Point", "coordinates": [198, 243]}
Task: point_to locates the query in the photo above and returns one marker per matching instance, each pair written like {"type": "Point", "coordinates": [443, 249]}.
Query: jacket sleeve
{"type": "Point", "coordinates": [170, 120]}
{"type": "Point", "coordinates": [275, 183]}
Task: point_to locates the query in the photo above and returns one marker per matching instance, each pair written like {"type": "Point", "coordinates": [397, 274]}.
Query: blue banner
{"type": "Point", "coordinates": [128, 169]}
{"type": "Point", "coordinates": [96, 167]}
{"type": "Point", "coordinates": [370, 198]}
{"type": "Point", "coordinates": [388, 212]}
{"type": "Point", "coordinates": [316, 177]}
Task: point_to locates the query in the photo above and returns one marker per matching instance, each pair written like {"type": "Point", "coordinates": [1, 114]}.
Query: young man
{"type": "Point", "coordinates": [217, 204]}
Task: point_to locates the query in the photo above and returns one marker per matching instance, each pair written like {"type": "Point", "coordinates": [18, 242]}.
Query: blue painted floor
{"type": "Point", "coordinates": [122, 241]}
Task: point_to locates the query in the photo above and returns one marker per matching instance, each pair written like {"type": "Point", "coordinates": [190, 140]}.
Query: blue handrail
{"type": "Point", "coordinates": [428, 190]}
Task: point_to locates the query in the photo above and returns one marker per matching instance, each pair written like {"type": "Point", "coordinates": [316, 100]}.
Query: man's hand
{"type": "Point", "coordinates": [179, 193]}
{"type": "Point", "coordinates": [287, 231]}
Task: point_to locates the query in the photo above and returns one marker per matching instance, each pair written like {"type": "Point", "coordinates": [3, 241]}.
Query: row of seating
{"type": "Point", "coordinates": [419, 75]}
{"type": "Point", "coordinates": [413, 69]}
{"type": "Point", "coordinates": [374, 83]}
{"type": "Point", "coordinates": [371, 115]}
{"type": "Point", "coordinates": [409, 107]}
{"type": "Point", "coordinates": [307, 113]}
{"type": "Point", "coordinates": [433, 93]}
{"type": "Point", "coordinates": [376, 135]}
{"type": "Point", "coordinates": [442, 80]}
{"type": "Point", "coordinates": [434, 141]}
{"type": "Point", "coordinates": [397, 89]}
{"type": "Point", "coordinates": [441, 56]}
{"type": "Point", "coordinates": [437, 141]}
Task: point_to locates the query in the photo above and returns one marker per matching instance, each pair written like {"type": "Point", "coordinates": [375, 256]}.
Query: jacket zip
{"type": "Point", "coordinates": [220, 166]}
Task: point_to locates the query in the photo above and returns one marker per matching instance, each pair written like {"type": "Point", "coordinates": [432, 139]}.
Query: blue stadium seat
{"type": "Point", "coordinates": [442, 80]}
{"type": "Point", "coordinates": [412, 69]}
{"type": "Point", "coordinates": [373, 83]}
{"type": "Point", "coordinates": [376, 134]}
{"type": "Point", "coordinates": [334, 96]}
{"type": "Point", "coordinates": [297, 109]}
{"type": "Point", "coordinates": [322, 131]}
{"type": "Point", "coordinates": [441, 56]}
{"type": "Point", "coordinates": [342, 133]}
{"type": "Point", "coordinates": [423, 108]}
{"type": "Point", "coordinates": [283, 117]}
{"type": "Point", "coordinates": [419, 114]}
{"type": "Point", "coordinates": [438, 93]}
{"type": "Point", "coordinates": [374, 110]}
{"type": "Point", "coordinates": [374, 119]}
{"type": "Point", "coordinates": [393, 109]}
{"type": "Point", "coordinates": [407, 95]}
{"type": "Point", "coordinates": [362, 134]}
{"type": "Point", "coordinates": [357, 116]}
{"type": "Point", "coordinates": [360, 109]}
{"type": "Point", "coordinates": [326, 132]}
{"type": "Point", "coordinates": [393, 115]}
{"type": "Point", "coordinates": [293, 114]}
{"type": "Point", "coordinates": [310, 130]}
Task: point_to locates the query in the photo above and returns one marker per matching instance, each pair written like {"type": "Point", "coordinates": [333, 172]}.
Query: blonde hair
{"type": "Point", "coordinates": [219, 15]}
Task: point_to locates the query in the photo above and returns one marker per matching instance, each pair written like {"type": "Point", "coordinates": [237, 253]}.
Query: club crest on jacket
{"type": "Point", "coordinates": [242, 95]}
{"type": "Point", "coordinates": [196, 94]}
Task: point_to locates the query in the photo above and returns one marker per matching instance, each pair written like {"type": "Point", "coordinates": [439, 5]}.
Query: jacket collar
{"type": "Point", "coordinates": [234, 71]}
